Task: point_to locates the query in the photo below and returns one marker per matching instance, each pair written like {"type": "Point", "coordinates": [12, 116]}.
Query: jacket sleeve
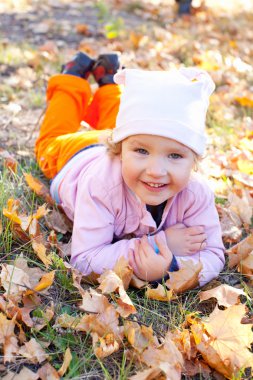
{"type": "Point", "coordinates": [201, 210]}
{"type": "Point", "coordinates": [93, 230]}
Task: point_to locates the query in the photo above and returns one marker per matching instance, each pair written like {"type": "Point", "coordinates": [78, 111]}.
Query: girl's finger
{"type": "Point", "coordinates": [146, 247]}
{"type": "Point", "coordinates": [198, 246]}
{"type": "Point", "coordinates": [162, 246]}
{"type": "Point", "coordinates": [131, 259]}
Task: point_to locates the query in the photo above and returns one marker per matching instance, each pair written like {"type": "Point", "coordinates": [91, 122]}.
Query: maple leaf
{"type": "Point", "coordinates": [166, 357]}
{"type": "Point", "coordinates": [124, 271]}
{"type": "Point", "coordinates": [59, 222]}
{"type": "Point", "coordinates": [140, 337]}
{"type": "Point", "coordinates": [12, 309]}
{"type": "Point", "coordinates": [160, 294]}
{"type": "Point", "coordinates": [241, 207]}
{"type": "Point", "coordinates": [224, 341]}
{"type": "Point", "coordinates": [14, 280]}
{"type": "Point", "coordinates": [40, 250]}
{"type": "Point", "coordinates": [246, 266]}
{"type": "Point", "coordinates": [110, 282]}
{"type": "Point", "coordinates": [104, 346]}
{"type": "Point", "coordinates": [93, 302]}
{"type": "Point", "coordinates": [226, 295]}
{"type": "Point", "coordinates": [47, 372]}
{"type": "Point", "coordinates": [39, 188]}
{"type": "Point", "coordinates": [33, 351]}
{"type": "Point", "coordinates": [137, 283]}
{"type": "Point", "coordinates": [8, 338]}
{"type": "Point", "coordinates": [24, 374]}
{"type": "Point", "coordinates": [149, 374]}
{"type": "Point", "coordinates": [186, 278]}
{"type": "Point", "coordinates": [240, 251]}
{"type": "Point", "coordinates": [66, 362]}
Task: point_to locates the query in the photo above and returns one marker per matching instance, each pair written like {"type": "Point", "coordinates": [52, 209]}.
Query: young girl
{"type": "Point", "coordinates": [136, 195]}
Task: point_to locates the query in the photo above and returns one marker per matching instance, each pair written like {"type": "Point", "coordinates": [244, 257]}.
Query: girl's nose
{"type": "Point", "coordinates": [156, 168]}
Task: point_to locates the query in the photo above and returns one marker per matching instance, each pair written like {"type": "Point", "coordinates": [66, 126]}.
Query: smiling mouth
{"type": "Point", "coordinates": [154, 186]}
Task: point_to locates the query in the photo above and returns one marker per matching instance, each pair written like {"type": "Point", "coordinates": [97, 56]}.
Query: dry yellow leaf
{"type": "Point", "coordinates": [8, 338]}
{"type": "Point", "coordinates": [39, 188]}
{"type": "Point", "coordinates": [33, 351]}
{"type": "Point", "coordinates": [40, 251]}
{"type": "Point", "coordinates": [104, 346]}
{"type": "Point", "coordinates": [186, 278]}
{"type": "Point", "coordinates": [66, 362]}
{"type": "Point", "coordinates": [226, 295]}
{"type": "Point", "coordinates": [160, 294]}
{"type": "Point", "coordinates": [240, 251]}
{"type": "Point", "coordinates": [225, 341]}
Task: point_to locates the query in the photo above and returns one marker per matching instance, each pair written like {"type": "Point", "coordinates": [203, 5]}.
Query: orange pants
{"type": "Point", "coordinates": [70, 102]}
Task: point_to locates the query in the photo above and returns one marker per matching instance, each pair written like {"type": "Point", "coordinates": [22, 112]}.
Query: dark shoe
{"type": "Point", "coordinates": [184, 7]}
{"type": "Point", "coordinates": [105, 67]}
{"type": "Point", "coordinates": [81, 66]}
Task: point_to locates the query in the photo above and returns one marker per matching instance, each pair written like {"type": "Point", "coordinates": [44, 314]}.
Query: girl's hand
{"type": "Point", "coordinates": [147, 264]}
{"type": "Point", "coordinates": [184, 241]}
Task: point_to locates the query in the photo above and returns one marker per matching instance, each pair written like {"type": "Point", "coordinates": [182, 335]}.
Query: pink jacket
{"type": "Point", "coordinates": [108, 217]}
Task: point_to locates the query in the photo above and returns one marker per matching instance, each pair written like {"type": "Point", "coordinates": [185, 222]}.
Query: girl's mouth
{"type": "Point", "coordinates": [152, 186]}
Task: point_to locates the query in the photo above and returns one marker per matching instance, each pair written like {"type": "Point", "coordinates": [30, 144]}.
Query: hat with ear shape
{"type": "Point", "coordinates": [170, 104]}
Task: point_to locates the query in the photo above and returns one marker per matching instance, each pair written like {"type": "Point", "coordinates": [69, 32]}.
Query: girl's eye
{"type": "Point", "coordinates": [175, 156]}
{"type": "Point", "coordinates": [141, 151]}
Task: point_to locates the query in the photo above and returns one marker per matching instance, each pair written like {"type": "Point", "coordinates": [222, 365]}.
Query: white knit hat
{"type": "Point", "coordinates": [170, 104]}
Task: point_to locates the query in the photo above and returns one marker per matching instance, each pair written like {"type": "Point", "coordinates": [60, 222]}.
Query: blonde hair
{"type": "Point", "coordinates": [113, 149]}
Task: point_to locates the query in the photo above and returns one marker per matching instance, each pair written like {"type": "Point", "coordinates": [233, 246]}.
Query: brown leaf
{"type": "Point", "coordinates": [246, 266]}
{"type": "Point", "coordinates": [39, 188]}
{"type": "Point", "coordinates": [8, 338]}
{"type": "Point", "coordinates": [124, 271]}
{"type": "Point", "coordinates": [24, 374]}
{"type": "Point", "coordinates": [225, 341]}
{"type": "Point", "coordinates": [137, 283]}
{"type": "Point", "coordinates": [226, 295]}
{"type": "Point", "coordinates": [93, 302]}
{"type": "Point", "coordinates": [150, 374]}
{"type": "Point", "coordinates": [47, 372]}
{"type": "Point", "coordinates": [58, 222]}
{"type": "Point", "coordinates": [110, 282]}
{"type": "Point", "coordinates": [11, 309]}
{"type": "Point", "coordinates": [40, 250]}
{"type": "Point", "coordinates": [140, 337]}
{"type": "Point", "coordinates": [33, 351]}
{"type": "Point", "coordinates": [166, 356]}
{"type": "Point", "coordinates": [186, 278]}
{"type": "Point", "coordinates": [104, 346]}
{"type": "Point", "coordinates": [66, 362]}
{"type": "Point", "coordinates": [160, 294]}
{"type": "Point", "coordinates": [240, 251]}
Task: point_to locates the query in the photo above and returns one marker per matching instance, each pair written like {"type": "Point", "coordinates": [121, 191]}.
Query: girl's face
{"type": "Point", "coordinates": [155, 168]}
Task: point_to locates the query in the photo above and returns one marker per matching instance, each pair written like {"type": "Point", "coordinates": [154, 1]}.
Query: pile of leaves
{"type": "Point", "coordinates": [220, 340]}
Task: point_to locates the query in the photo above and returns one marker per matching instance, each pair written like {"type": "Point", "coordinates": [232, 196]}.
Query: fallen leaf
{"type": "Point", "coordinates": [8, 338]}
{"type": "Point", "coordinates": [246, 266]}
{"type": "Point", "coordinates": [33, 351]}
{"type": "Point", "coordinates": [104, 346]}
{"type": "Point", "coordinates": [47, 372]}
{"type": "Point", "coordinates": [40, 250]}
{"type": "Point", "coordinates": [58, 222]}
{"type": "Point", "coordinates": [226, 295]}
{"type": "Point", "coordinates": [166, 357]}
{"type": "Point", "coordinates": [41, 322]}
{"type": "Point", "coordinates": [150, 374]}
{"type": "Point", "coordinates": [45, 282]}
{"type": "Point", "coordinates": [240, 251]}
{"type": "Point", "coordinates": [124, 271]}
{"type": "Point", "coordinates": [110, 282]}
{"type": "Point", "coordinates": [24, 374]}
{"type": "Point", "coordinates": [66, 362]}
{"type": "Point", "coordinates": [93, 302]}
{"type": "Point", "coordinates": [160, 294]}
{"type": "Point", "coordinates": [39, 188]}
{"type": "Point", "coordinates": [139, 336]}
{"type": "Point", "coordinates": [186, 278]}
{"type": "Point", "coordinates": [225, 341]}
{"type": "Point", "coordinates": [137, 283]}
